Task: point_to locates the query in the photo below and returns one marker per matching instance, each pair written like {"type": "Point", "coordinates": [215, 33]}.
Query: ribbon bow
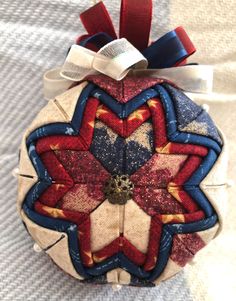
{"type": "Point", "coordinates": [114, 59]}
{"type": "Point", "coordinates": [101, 52]}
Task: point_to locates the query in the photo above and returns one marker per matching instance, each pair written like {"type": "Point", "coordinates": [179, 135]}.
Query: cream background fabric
{"type": "Point", "coordinates": [34, 37]}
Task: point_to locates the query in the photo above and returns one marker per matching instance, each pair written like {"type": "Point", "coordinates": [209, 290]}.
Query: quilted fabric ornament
{"type": "Point", "coordinates": [122, 178]}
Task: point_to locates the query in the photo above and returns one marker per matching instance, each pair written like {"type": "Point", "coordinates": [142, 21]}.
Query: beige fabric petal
{"type": "Point", "coordinates": [113, 276]}
{"type": "Point", "coordinates": [136, 226]}
{"type": "Point", "coordinates": [124, 277]}
{"type": "Point", "coordinates": [59, 252]}
{"type": "Point", "coordinates": [118, 276]}
{"type": "Point", "coordinates": [209, 234]}
{"type": "Point", "coordinates": [67, 101]}
{"type": "Point", "coordinates": [49, 114]}
{"type": "Point", "coordinates": [218, 173]}
{"type": "Point", "coordinates": [218, 196]}
{"type": "Point", "coordinates": [214, 184]}
{"type": "Point", "coordinates": [59, 110]}
{"type": "Point", "coordinates": [170, 270]}
{"type": "Point", "coordinates": [25, 165]}
{"type": "Point", "coordinates": [104, 225]}
{"type": "Point", "coordinates": [24, 185]}
{"type": "Point", "coordinates": [27, 174]}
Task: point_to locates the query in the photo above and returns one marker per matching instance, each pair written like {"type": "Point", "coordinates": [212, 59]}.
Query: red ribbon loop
{"type": "Point", "coordinates": [135, 22]}
{"type": "Point", "coordinates": [185, 40]}
{"type": "Point", "coordinates": [97, 19]}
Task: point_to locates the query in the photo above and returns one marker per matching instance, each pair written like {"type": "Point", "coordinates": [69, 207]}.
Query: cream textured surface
{"type": "Point", "coordinates": [34, 36]}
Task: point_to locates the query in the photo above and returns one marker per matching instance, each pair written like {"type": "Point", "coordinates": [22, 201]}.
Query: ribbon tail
{"type": "Point", "coordinates": [190, 78]}
{"type": "Point", "coordinates": [54, 84]}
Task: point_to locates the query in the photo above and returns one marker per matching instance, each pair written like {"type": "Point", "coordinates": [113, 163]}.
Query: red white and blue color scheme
{"type": "Point", "coordinates": [142, 127]}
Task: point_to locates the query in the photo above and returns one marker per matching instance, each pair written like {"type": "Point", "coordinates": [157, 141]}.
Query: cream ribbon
{"type": "Point", "coordinates": [118, 59]}
{"type": "Point", "coordinates": [190, 78]}
{"type": "Point", "coordinates": [114, 59]}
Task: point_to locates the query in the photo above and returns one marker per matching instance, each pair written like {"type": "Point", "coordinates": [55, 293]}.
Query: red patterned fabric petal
{"type": "Point", "coordinates": [184, 247]}
{"type": "Point", "coordinates": [123, 127]}
{"type": "Point", "coordinates": [154, 243]}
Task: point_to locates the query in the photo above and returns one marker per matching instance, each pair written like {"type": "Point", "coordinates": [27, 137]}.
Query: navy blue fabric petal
{"type": "Point", "coordinates": [171, 123]}
{"type": "Point", "coordinates": [164, 252]}
{"type": "Point", "coordinates": [80, 106]}
{"type": "Point", "coordinates": [202, 125]}
{"type": "Point", "coordinates": [39, 167]}
{"type": "Point", "coordinates": [203, 169]}
{"type": "Point", "coordinates": [119, 155]}
{"type": "Point", "coordinates": [200, 198]}
{"type": "Point", "coordinates": [194, 226]}
{"type": "Point", "coordinates": [137, 153]}
{"type": "Point", "coordinates": [186, 109]}
{"type": "Point", "coordinates": [108, 152]}
{"type": "Point", "coordinates": [136, 156]}
{"type": "Point", "coordinates": [124, 110]}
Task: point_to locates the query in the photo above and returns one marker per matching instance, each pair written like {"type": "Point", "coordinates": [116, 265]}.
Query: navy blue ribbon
{"type": "Point", "coordinates": [98, 40]}
{"type": "Point", "coordinates": [166, 52]}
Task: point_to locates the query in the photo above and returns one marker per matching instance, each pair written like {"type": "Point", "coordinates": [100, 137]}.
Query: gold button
{"type": "Point", "coordinates": [119, 189]}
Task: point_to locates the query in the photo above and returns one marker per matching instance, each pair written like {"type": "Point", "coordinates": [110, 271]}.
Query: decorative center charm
{"type": "Point", "coordinates": [119, 189]}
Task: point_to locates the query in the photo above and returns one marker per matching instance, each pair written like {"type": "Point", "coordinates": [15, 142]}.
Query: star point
{"type": "Point", "coordinates": [152, 103]}
{"type": "Point", "coordinates": [55, 146]}
{"type": "Point", "coordinates": [101, 111]}
{"type": "Point", "coordinates": [138, 115]}
{"type": "Point", "coordinates": [54, 212]}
